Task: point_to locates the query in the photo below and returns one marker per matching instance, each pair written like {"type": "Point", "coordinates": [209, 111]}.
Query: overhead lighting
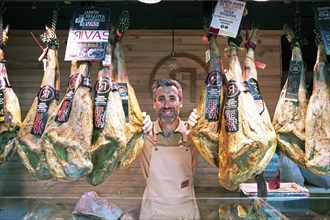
{"type": "Point", "coordinates": [149, 1]}
{"type": "Point", "coordinates": [172, 64]}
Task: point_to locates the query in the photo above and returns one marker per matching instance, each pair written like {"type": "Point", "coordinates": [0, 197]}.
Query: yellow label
{"type": "Point", "coordinates": [241, 211]}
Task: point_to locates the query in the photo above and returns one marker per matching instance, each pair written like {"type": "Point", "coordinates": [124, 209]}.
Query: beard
{"type": "Point", "coordinates": [167, 117]}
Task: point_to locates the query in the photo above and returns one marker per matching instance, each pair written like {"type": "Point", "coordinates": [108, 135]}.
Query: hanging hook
{"type": "Point", "coordinates": [3, 2]}
{"type": "Point", "coordinates": [34, 6]}
{"type": "Point", "coordinates": [56, 7]}
{"type": "Point", "coordinates": [173, 24]}
{"type": "Point", "coordinates": [2, 9]}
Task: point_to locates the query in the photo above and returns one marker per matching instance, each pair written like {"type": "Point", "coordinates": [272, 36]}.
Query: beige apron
{"type": "Point", "coordinates": [170, 192]}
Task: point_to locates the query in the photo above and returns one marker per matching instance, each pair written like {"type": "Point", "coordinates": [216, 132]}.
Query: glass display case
{"type": "Point", "coordinates": [211, 208]}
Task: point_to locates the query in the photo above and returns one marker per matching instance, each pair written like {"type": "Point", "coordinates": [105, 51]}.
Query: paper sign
{"type": "Point", "coordinates": [322, 14]}
{"type": "Point", "coordinates": [227, 17]}
{"type": "Point", "coordinates": [88, 35]}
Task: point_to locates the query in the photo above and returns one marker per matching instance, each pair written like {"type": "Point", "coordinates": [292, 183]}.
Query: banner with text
{"type": "Point", "coordinates": [322, 14]}
{"type": "Point", "coordinates": [88, 35]}
{"type": "Point", "coordinates": [227, 17]}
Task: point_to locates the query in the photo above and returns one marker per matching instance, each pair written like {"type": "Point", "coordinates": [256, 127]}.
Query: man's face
{"type": "Point", "coordinates": [167, 103]}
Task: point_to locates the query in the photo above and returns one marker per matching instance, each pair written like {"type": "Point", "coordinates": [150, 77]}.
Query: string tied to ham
{"type": "Point", "coordinates": [232, 46]}
{"type": "Point", "coordinates": [49, 37]}
{"type": "Point", "coordinates": [250, 44]}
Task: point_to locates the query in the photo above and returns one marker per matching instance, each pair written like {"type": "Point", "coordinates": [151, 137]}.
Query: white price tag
{"type": "Point", "coordinates": [207, 55]}
{"type": "Point", "coordinates": [107, 60]}
{"type": "Point", "coordinates": [229, 75]}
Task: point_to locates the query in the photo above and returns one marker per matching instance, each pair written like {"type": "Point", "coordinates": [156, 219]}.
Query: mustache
{"type": "Point", "coordinates": [166, 108]}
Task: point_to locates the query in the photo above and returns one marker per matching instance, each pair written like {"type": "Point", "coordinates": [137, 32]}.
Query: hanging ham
{"type": "Point", "coordinates": [290, 112]}
{"type": "Point", "coordinates": [250, 76]}
{"type": "Point", "coordinates": [317, 143]}
{"type": "Point", "coordinates": [68, 133]}
{"type": "Point", "coordinates": [133, 116]}
{"type": "Point", "coordinates": [109, 140]}
{"type": "Point", "coordinates": [243, 138]}
{"type": "Point", "coordinates": [10, 111]}
{"type": "Point", "coordinates": [205, 134]}
{"type": "Point", "coordinates": [29, 142]}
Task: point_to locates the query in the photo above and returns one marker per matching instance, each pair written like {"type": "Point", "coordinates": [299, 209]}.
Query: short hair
{"type": "Point", "coordinates": [166, 83]}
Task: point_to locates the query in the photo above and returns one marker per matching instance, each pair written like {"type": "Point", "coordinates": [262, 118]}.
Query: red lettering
{"type": "Point", "coordinates": [97, 35]}
{"type": "Point", "coordinates": [105, 35]}
{"type": "Point", "coordinates": [86, 34]}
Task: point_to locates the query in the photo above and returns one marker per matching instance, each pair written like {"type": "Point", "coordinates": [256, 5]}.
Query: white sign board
{"type": "Point", "coordinates": [88, 35]}
{"type": "Point", "coordinates": [227, 17]}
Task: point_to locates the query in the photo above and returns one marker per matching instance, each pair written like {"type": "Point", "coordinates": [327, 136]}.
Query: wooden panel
{"type": "Point", "coordinates": [143, 49]}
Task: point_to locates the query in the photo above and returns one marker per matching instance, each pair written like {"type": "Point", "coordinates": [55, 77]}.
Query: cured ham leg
{"type": "Point", "coordinates": [317, 143]}
{"type": "Point", "coordinates": [205, 133]}
{"type": "Point", "coordinates": [10, 111]}
{"type": "Point", "coordinates": [109, 140]}
{"type": "Point", "coordinates": [134, 120]}
{"type": "Point", "coordinates": [243, 138]}
{"type": "Point", "coordinates": [290, 114]}
{"type": "Point", "coordinates": [29, 142]}
{"type": "Point", "coordinates": [68, 133]}
{"type": "Point", "coordinates": [250, 76]}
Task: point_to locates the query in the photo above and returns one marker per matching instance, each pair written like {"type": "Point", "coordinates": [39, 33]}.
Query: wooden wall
{"type": "Point", "coordinates": [143, 49]}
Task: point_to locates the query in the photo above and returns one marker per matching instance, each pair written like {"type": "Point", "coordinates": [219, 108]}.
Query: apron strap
{"type": "Point", "coordinates": [184, 133]}
{"type": "Point", "coordinates": [154, 135]}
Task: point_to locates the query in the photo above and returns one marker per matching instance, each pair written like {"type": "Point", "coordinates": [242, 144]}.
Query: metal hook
{"type": "Point", "coordinates": [56, 7]}
{"type": "Point", "coordinates": [2, 10]}
{"type": "Point", "coordinates": [34, 6]}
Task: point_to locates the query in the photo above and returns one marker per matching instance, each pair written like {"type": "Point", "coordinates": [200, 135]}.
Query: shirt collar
{"type": "Point", "coordinates": [180, 128]}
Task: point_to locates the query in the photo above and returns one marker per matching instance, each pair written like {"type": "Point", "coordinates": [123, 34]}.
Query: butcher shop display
{"type": "Point", "coordinates": [250, 76]}
{"type": "Point", "coordinates": [205, 134]}
{"type": "Point", "coordinates": [29, 142]}
{"type": "Point", "coordinates": [10, 111]}
{"type": "Point", "coordinates": [244, 137]}
{"type": "Point", "coordinates": [68, 133]}
{"type": "Point", "coordinates": [133, 116]}
{"type": "Point", "coordinates": [109, 140]}
{"type": "Point", "coordinates": [290, 112]}
{"type": "Point", "coordinates": [317, 144]}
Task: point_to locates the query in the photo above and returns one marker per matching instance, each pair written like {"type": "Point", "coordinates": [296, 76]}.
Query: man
{"type": "Point", "coordinates": [168, 159]}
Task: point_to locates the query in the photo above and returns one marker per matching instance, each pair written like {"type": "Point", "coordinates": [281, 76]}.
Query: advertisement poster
{"type": "Point", "coordinates": [227, 17]}
{"type": "Point", "coordinates": [88, 35]}
{"type": "Point", "coordinates": [322, 14]}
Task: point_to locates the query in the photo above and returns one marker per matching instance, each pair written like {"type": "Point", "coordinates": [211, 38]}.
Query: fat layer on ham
{"type": "Point", "coordinates": [109, 142]}
{"type": "Point", "coordinates": [250, 76]}
{"type": "Point", "coordinates": [68, 134]}
{"type": "Point", "coordinates": [317, 144]}
{"type": "Point", "coordinates": [10, 111]}
{"type": "Point", "coordinates": [289, 116]}
{"type": "Point", "coordinates": [205, 134]}
{"type": "Point", "coordinates": [243, 138]}
{"type": "Point", "coordinates": [29, 142]}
